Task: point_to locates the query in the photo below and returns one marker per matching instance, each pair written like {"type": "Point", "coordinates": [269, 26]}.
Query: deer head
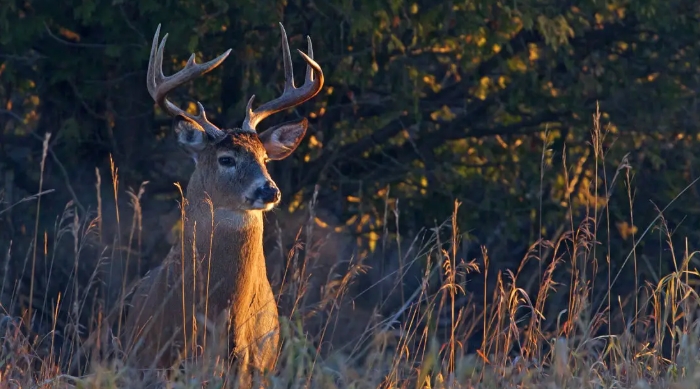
{"type": "Point", "coordinates": [231, 163]}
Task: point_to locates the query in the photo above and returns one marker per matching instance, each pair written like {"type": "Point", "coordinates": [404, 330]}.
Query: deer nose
{"type": "Point", "coordinates": [268, 193]}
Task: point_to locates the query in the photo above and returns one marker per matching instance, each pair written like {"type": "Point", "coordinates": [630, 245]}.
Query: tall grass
{"type": "Point", "coordinates": [424, 343]}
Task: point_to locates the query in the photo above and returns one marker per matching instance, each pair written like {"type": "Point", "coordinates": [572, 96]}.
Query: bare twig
{"type": "Point", "coordinates": [83, 45]}
{"type": "Point", "coordinates": [28, 198]}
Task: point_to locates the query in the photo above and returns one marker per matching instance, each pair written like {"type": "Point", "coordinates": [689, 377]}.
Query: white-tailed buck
{"type": "Point", "coordinates": [217, 270]}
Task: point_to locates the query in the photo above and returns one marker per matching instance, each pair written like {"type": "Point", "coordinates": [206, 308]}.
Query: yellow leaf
{"type": "Point", "coordinates": [626, 230]}
{"type": "Point", "coordinates": [68, 34]}
{"type": "Point", "coordinates": [320, 222]}
{"type": "Point", "coordinates": [313, 141]}
{"type": "Point", "coordinates": [534, 52]}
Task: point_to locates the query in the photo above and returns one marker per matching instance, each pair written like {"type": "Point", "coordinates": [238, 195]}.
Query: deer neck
{"type": "Point", "coordinates": [229, 250]}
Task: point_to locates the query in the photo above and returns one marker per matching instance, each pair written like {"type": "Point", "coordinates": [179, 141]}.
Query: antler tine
{"type": "Point", "coordinates": [309, 70]}
{"type": "Point", "coordinates": [159, 86]}
{"type": "Point", "coordinates": [287, 60]}
{"type": "Point", "coordinates": [291, 96]}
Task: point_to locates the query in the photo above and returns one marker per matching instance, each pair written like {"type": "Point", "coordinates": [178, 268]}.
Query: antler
{"type": "Point", "coordinates": [292, 96]}
{"type": "Point", "coordinates": [159, 85]}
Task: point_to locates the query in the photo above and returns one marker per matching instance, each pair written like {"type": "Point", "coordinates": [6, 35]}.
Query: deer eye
{"type": "Point", "coordinates": [227, 161]}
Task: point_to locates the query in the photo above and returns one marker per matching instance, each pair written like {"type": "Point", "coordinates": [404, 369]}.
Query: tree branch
{"type": "Point", "coordinates": [456, 129]}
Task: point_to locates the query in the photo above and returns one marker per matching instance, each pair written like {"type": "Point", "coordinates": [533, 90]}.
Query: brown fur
{"type": "Point", "coordinates": [236, 273]}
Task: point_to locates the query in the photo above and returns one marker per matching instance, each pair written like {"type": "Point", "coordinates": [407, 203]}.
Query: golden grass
{"type": "Point", "coordinates": [424, 343]}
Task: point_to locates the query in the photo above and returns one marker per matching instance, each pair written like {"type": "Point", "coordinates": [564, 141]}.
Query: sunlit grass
{"type": "Point", "coordinates": [425, 342]}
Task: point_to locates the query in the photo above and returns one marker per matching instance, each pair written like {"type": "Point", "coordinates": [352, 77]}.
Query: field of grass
{"type": "Point", "coordinates": [424, 344]}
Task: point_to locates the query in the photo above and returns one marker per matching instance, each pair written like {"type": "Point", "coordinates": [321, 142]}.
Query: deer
{"type": "Point", "coordinates": [216, 272]}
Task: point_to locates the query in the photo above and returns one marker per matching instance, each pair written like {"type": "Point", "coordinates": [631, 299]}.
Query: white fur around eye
{"type": "Point", "coordinates": [227, 168]}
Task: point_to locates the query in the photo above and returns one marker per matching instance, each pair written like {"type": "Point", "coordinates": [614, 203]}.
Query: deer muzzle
{"type": "Point", "coordinates": [268, 193]}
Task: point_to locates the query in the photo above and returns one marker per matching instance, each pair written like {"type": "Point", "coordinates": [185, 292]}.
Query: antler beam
{"type": "Point", "coordinates": [292, 96]}
{"type": "Point", "coordinates": [159, 86]}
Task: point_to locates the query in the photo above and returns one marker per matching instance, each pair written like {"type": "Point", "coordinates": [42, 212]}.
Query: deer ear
{"type": "Point", "coordinates": [190, 135]}
{"type": "Point", "coordinates": [282, 139]}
